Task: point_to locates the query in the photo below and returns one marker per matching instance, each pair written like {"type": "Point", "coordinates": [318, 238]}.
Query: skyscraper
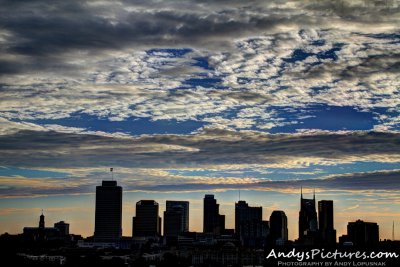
{"type": "Point", "coordinates": [213, 222]}
{"type": "Point", "coordinates": [147, 222]}
{"type": "Point", "coordinates": [363, 234]}
{"type": "Point", "coordinates": [308, 223]}
{"type": "Point", "coordinates": [108, 214]}
{"type": "Point", "coordinates": [278, 227]}
{"type": "Point", "coordinates": [245, 214]}
{"type": "Point", "coordinates": [325, 219]}
{"type": "Point", "coordinates": [171, 205]}
{"type": "Point", "coordinates": [173, 221]}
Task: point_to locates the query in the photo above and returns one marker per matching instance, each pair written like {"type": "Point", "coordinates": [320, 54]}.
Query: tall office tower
{"type": "Point", "coordinates": [308, 223]}
{"type": "Point", "coordinates": [278, 227]}
{"type": "Point", "coordinates": [62, 227]}
{"type": "Point", "coordinates": [173, 221]}
{"type": "Point", "coordinates": [147, 223]}
{"type": "Point", "coordinates": [363, 234]}
{"type": "Point", "coordinates": [244, 213]}
{"type": "Point", "coordinates": [171, 204]}
{"type": "Point", "coordinates": [213, 222]}
{"type": "Point", "coordinates": [325, 220]}
{"type": "Point", "coordinates": [108, 215]}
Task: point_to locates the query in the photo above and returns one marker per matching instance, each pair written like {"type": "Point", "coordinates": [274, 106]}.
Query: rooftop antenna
{"type": "Point", "coordinates": [314, 193]}
{"type": "Point", "coordinates": [301, 192]}
{"type": "Point", "coordinates": [112, 173]}
{"type": "Point", "coordinates": [393, 232]}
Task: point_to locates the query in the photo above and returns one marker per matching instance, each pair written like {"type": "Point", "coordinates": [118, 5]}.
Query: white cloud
{"type": "Point", "coordinates": [255, 65]}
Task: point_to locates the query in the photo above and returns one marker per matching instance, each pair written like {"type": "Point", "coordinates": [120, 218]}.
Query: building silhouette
{"type": "Point", "coordinates": [147, 222]}
{"type": "Point", "coordinates": [254, 233]}
{"type": "Point", "coordinates": [62, 227]}
{"type": "Point", "coordinates": [213, 222]}
{"type": "Point", "coordinates": [278, 228]}
{"type": "Point", "coordinates": [308, 223]}
{"type": "Point", "coordinates": [244, 213]}
{"type": "Point", "coordinates": [41, 233]}
{"type": "Point", "coordinates": [173, 220]}
{"type": "Point", "coordinates": [326, 225]}
{"type": "Point", "coordinates": [363, 234]}
{"type": "Point", "coordinates": [108, 214]}
{"type": "Point", "coordinates": [42, 224]}
{"type": "Point", "coordinates": [249, 226]}
{"type": "Point", "coordinates": [184, 206]}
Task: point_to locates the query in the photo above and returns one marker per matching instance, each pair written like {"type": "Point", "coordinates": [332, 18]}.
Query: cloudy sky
{"type": "Point", "coordinates": [184, 98]}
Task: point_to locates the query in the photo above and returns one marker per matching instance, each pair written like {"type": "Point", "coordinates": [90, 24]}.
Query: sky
{"type": "Point", "coordinates": [185, 98]}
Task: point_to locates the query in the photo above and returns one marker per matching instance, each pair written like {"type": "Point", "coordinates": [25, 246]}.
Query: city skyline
{"type": "Point", "coordinates": [248, 243]}
{"type": "Point", "coordinates": [195, 97]}
{"type": "Point", "coordinates": [323, 214]}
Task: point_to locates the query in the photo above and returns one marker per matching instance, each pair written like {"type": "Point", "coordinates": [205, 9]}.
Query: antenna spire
{"type": "Point", "coordinates": [393, 232]}
{"type": "Point", "coordinates": [301, 192]}
{"type": "Point", "coordinates": [314, 193]}
{"type": "Point", "coordinates": [112, 173]}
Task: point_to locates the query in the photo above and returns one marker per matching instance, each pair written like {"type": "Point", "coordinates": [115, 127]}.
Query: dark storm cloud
{"type": "Point", "coordinates": [355, 181]}
{"type": "Point", "coordinates": [367, 11]}
{"type": "Point", "coordinates": [9, 67]}
{"type": "Point", "coordinates": [388, 180]}
{"type": "Point", "coordinates": [357, 68]}
{"type": "Point", "coordinates": [383, 180]}
{"type": "Point", "coordinates": [50, 32]}
{"type": "Point", "coordinates": [57, 31]}
{"type": "Point", "coordinates": [210, 148]}
{"type": "Point", "coordinates": [48, 27]}
{"type": "Point", "coordinates": [207, 148]}
{"type": "Point", "coordinates": [63, 188]}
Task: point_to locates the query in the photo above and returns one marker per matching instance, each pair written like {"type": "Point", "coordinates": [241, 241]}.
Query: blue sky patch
{"type": "Point", "coordinates": [300, 54]}
{"type": "Point", "coordinates": [325, 117]}
{"type": "Point", "coordinates": [204, 82]}
{"type": "Point", "coordinates": [331, 53]}
{"type": "Point", "coordinates": [29, 173]}
{"type": "Point", "coordinates": [133, 126]}
{"type": "Point", "coordinates": [202, 62]}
